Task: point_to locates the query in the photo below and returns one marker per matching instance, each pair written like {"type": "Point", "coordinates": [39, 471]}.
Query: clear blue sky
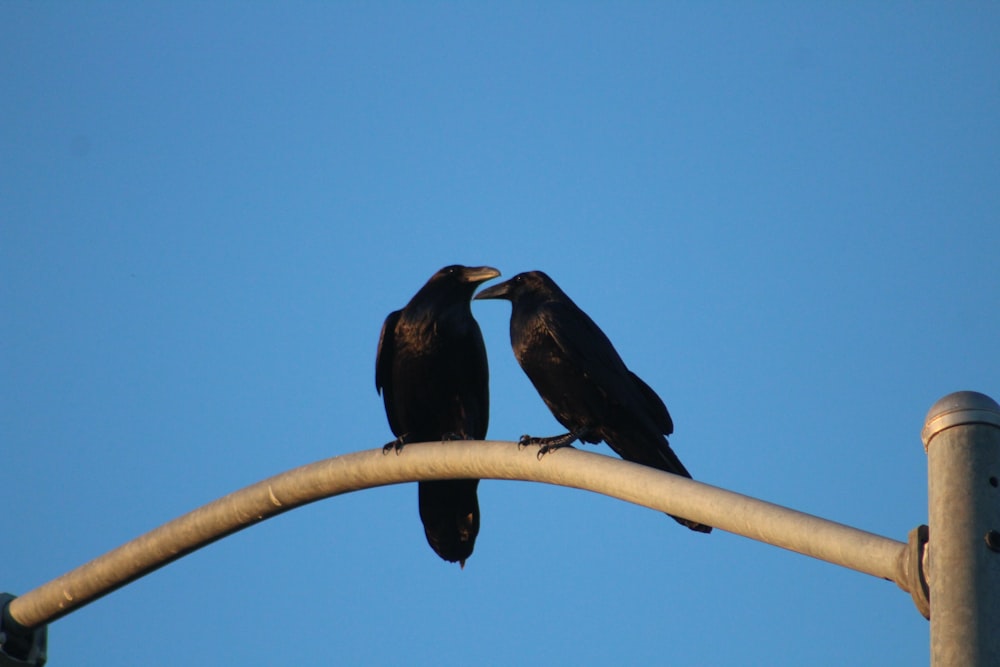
{"type": "Point", "coordinates": [785, 216]}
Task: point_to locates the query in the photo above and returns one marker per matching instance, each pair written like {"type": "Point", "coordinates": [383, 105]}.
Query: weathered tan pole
{"type": "Point", "coordinates": [733, 512]}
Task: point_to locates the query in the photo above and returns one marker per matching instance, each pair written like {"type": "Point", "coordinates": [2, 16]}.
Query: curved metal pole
{"type": "Point", "coordinates": [732, 512]}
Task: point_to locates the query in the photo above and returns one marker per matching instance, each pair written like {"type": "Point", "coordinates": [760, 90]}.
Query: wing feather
{"type": "Point", "coordinates": [384, 359]}
{"type": "Point", "coordinates": [586, 345]}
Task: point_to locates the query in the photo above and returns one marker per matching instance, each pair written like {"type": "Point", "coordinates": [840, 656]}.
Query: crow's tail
{"type": "Point", "coordinates": [449, 511]}
{"type": "Point", "coordinates": [658, 455]}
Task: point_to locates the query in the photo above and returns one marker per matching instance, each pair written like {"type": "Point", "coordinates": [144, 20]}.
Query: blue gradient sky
{"type": "Point", "coordinates": [784, 215]}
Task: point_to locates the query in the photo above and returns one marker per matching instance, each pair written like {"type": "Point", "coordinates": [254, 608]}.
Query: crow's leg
{"type": "Point", "coordinates": [554, 442]}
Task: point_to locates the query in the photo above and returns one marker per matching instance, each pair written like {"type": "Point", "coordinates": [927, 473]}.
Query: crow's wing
{"type": "Point", "coordinates": [384, 359]}
{"type": "Point", "coordinates": [588, 349]}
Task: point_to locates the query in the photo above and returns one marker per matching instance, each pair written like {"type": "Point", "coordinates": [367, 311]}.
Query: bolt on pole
{"type": "Point", "coordinates": [962, 439]}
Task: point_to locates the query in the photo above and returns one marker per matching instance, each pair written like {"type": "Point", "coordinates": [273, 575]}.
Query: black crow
{"type": "Point", "coordinates": [580, 376]}
{"type": "Point", "coordinates": [432, 372]}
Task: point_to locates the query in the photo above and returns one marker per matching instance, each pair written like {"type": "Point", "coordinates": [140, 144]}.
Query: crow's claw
{"type": "Point", "coordinates": [551, 447]}
{"type": "Point", "coordinates": [549, 444]}
{"type": "Point", "coordinates": [396, 444]}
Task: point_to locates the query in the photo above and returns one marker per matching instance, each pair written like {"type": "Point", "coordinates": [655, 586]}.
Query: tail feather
{"type": "Point", "coordinates": [449, 511]}
{"type": "Point", "coordinates": [657, 455]}
{"type": "Point", "coordinates": [693, 525]}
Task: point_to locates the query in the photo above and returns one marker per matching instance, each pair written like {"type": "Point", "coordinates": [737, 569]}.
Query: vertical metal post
{"type": "Point", "coordinates": [962, 439]}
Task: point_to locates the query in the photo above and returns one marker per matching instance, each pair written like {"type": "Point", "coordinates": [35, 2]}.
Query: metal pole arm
{"type": "Point", "coordinates": [732, 512]}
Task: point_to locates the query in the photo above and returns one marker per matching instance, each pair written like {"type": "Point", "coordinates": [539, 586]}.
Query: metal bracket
{"type": "Point", "coordinates": [20, 646]}
{"type": "Point", "coordinates": [915, 579]}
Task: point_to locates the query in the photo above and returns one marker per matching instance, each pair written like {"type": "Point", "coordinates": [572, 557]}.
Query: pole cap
{"type": "Point", "coordinates": [961, 407]}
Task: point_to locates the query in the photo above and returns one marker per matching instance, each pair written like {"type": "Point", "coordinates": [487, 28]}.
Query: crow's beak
{"type": "Point", "coordinates": [501, 291]}
{"type": "Point", "coordinates": [479, 274]}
